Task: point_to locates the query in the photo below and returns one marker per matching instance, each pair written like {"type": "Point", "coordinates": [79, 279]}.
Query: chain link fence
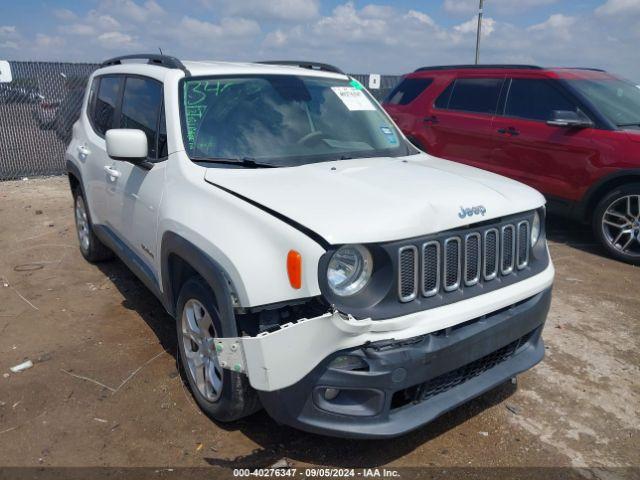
{"type": "Point", "coordinates": [38, 108]}
{"type": "Point", "coordinates": [40, 104]}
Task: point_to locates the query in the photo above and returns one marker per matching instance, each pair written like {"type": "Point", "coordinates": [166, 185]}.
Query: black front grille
{"type": "Point", "coordinates": [490, 254]}
{"type": "Point", "coordinates": [472, 259]}
{"type": "Point", "coordinates": [451, 263]}
{"type": "Point", "coordinates": [407, 280]}
{"type": "Point", "coordinates": [430, 268]}
{"type": "Point", "coordinates": [463, 259]}
{"type": "Point", "coordinates": [523, 244]}
{"type": "Point", "coordinates": [508, 245]}
{"type": "Point", "coordinates": [449, 380]}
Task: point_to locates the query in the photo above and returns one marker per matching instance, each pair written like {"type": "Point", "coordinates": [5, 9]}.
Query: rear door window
{"type": "Point", "coordinates": [478, 95]}
{"type": "Point", "coordinates": [141, 104]}
{"type": "Point", "coordinates": [106, 103]}
{"type": "Point", "coordinates": [408, 90]}
{"type": "Point", "coordinates": [535, 99]}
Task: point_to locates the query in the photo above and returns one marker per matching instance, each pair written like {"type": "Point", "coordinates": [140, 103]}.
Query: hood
{"type": "Point", "coordinates": [379, 199]}
{"type": "Point", "coordinates": [633, 135]}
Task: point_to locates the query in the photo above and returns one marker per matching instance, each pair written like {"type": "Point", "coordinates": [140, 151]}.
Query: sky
{"type": "Point", "coordinates": [377, 36]}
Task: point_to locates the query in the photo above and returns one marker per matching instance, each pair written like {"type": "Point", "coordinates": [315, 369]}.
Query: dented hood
{"type": "Point", "coordinates": [379, 199]}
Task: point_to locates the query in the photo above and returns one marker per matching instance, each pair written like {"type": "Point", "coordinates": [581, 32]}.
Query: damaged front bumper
{"type": "Point", "coordinates": [338, 376]}
{"type": "Point", "coordinates": [277, 360]}
{"type": "Point", "coordinates": [409, 383]}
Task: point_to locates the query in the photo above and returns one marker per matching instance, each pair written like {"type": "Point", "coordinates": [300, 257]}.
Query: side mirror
{"type": "Point", "coordinates": [126, 144]}
{"type": "Point", "coordinates": [569, 119]}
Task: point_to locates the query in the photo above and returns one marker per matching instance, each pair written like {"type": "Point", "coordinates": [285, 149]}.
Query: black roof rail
{"type": "Point", "coordinates": [152, 59]}
{"type": "Point", "coordinates": [479, 66]}
{"type": "Point", "coordinates": [591, 69]}
{"type": "Point", "coordinates": [325, 67]}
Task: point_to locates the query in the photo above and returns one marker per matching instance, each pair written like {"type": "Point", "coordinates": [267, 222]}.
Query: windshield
{"type": "Point", "coordinates": [616, 99]}
{"type": "Point", "coordinates": [284, 120]}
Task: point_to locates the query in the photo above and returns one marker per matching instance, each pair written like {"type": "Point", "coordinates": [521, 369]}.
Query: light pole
{"type": "Point", "coordinates": [479, 32]}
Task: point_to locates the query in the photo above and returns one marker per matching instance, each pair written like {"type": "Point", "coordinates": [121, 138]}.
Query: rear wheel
{"type": "Point", "coordinates": [91, 247]}
{"type": "Point", "coordinates": [616, 223]}
{"type": "Point", "coordinates": [222, 394]}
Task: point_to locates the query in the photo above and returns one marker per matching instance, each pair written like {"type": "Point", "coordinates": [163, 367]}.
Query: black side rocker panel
{"type": "Point", "coordinates": [130, 258]}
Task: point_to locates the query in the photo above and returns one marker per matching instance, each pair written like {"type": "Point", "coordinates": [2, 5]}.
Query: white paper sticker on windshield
{"type": "Point", "coordinates": [353, 99]}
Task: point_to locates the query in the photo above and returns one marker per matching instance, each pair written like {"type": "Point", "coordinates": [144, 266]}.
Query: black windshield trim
{"type": "Point", "coordinates": [241, 162]}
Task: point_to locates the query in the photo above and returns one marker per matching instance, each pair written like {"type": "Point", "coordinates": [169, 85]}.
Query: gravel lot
{"type": "Point", "coordinates": [105, 391]}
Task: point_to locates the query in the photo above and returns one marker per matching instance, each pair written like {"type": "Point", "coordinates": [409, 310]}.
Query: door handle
{"type": "Point", "coordinates": [509, 131]}
{"type": "Point", "coordinates": [432, 119]}
{"type": "Point", "coordinates": [112, 172]}
{"type": "Point", "coordinates": [83, 151]}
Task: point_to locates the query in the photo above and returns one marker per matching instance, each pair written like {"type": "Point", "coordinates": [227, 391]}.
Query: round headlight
{"type": "Point", "coordinates": [349, 270]}
{"type": "Point", "coordinates": [535, 229]}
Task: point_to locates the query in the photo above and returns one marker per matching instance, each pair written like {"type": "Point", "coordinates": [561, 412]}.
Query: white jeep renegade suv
{"type": "Point", "coordinates": [316, 263]}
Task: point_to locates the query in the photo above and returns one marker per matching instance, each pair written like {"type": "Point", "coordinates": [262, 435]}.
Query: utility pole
{"type": "Point", "coordinates": [479, 32]}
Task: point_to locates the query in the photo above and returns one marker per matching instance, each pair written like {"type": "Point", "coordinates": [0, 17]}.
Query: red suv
{"type": "Point", "coordinates": [573, 134]}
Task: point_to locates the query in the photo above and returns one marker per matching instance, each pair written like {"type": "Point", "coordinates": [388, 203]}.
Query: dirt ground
{"type": "Point", "coordinates": [105, 391]}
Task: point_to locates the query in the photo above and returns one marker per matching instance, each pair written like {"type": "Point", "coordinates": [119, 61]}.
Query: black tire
{"type": "Point", "coordinates": [92, 249]}
{"type": "Point", "coordinates": [632, 255]}
{"type": "Point", "coordinates": [237, 398]}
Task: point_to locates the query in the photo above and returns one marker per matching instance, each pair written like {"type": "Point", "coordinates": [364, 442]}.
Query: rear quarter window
{"type": "Point", "coordinates": [408, 90]}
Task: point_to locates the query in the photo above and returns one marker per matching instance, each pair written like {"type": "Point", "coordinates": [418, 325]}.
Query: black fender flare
{"type": "Point", "coordinates": [205, 266]}
{"type": "Point", "coordinates": [73, 169]}
{"type": "Point", "coordinates": [596, 190]}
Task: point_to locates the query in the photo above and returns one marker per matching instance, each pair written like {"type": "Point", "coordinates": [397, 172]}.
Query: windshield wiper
{"type": "Point", "coordinates": [247, 162]}
{"type": "Point", "coordinates": [636, 124]}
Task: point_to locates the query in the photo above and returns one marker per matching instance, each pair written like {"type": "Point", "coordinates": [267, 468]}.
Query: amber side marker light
{"type": "Point", "coordinates": [294, 269]}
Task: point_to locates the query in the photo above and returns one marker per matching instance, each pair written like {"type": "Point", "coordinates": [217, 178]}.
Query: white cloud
{"type": "Point", "coordinates": [288, 10]}
{"type": "Point", "coordinates": [9, 37]}
{"type": "Point", "coordinates": [8, 30]}
{"type": "Point", "coordinates": [618, 7]}
{"type": "Point", "coordinates": [377, 11]}
{"type": "Point", "coordinates": [65, 14]}
{"type": "Point", "coordinates": [80, 29]}
{"type": "Point", "coordinates": [201, 31]}
{"type": "Point", "coordinates": [471, 26]}
{"type": "Point", "coordinates": [557, 25]}
{"type": "Point", "coordinates": [9, 45]}
{"type": "Point", "coordinates": [466, 7]}
{"type": "Point", "coordinates": [131, 10]}
{"type": "Point", "coordinates": [420, 17]}
{"type": "Point", "coordinates": [116, 40]}
{"type": "Point", "coordinates": [350, 25]}
{"type": "Point", "coordinates": [276, 38]}
{"type": "Point", "coordinates": [48, 41]}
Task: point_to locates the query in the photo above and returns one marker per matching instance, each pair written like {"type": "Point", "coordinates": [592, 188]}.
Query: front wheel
{"type": "Point", "coordinates": [616, 223]}
{"type": "Point", "coordinates": [222, 394]}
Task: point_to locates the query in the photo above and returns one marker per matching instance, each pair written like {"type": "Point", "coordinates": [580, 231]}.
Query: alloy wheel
{"type": "Point", "coordinates": [82, 224]}
{"type": "Point", "coordinates": [621, 225]}
{"type": "Point", "coordinates": [198, 334]}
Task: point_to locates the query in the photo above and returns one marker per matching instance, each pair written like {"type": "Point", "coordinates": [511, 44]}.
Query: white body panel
{"type": "Point", "coordinates": [249, 244]}
{"type": "Point", "coordinates": [379, 199]}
